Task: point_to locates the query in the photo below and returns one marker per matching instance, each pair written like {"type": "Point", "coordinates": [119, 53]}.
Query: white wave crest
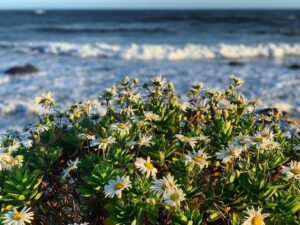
{"type": "Point", "coordinates": [155, 51]}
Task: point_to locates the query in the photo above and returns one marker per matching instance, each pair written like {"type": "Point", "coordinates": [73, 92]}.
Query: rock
{"type": "Point", "coordinates": [264, 111]}
{"type": "Point", "coordinates": [294, 66]}
{"type": "Point", "coordinates": [19, 109]}
{"type": "Point", "coordinates": [270, 111]}
{"type": "Point", "coordinates": [235, 63]}
{"type": "Point", "coordinates": [21, 70]}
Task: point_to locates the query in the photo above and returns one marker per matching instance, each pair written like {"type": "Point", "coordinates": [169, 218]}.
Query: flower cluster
{"type": "Point", "coordinates": [9, 144]}
{"type": "Point", "coordinates": [138, 155]}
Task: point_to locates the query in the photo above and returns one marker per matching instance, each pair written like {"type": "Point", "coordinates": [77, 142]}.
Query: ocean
{"type": "Point", "coordinates": [80, 53]}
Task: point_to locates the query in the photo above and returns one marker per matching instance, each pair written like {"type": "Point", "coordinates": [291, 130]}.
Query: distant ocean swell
{"type": "Point", "coordinates": [153, 51]}
{"type": "Point", "coordinates": [100, 30]}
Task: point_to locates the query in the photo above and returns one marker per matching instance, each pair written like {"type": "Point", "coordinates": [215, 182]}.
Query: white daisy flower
{"type": "Point", "coordinates": [125, 81]}
{"type": "Point", "coordinates": [225, 104]}
{"type": "Point", "coordinates": [134, 97]}
{"type": "Point", "coordinates": [212, 92]}
{"type": "Point", "coordinates": [198, 158]}
{"type": "Point", "coordinates": [190, 140]}
{"type": "Point", "coordinates": [202, 105]}
{"type": "Point", "coordinates": [159, 81]}
{"type": "Point", "coordinates": [269, 144]}
{"type": "Point", "coordinates": [103, 143]}
{"type": "Point", "coordinates": [237, 81]}
{"type": "Point", "coordinates": [232, 152]}
{"type": "Point", "coordinates": [150, 116]}
{"type": "Point", "coordinates": [86, 136]}
{"type": "Point", "coordinates": [242, 140]}
{"type": "Point", "coordinates": [14, 147]}
{"type": "Point", "coordinates": [204, 138]}
{"type": "Point", "coordinates": [255, 217]}
{"type": "Point", "coordinates": [41, 127]}
{"type": "Point", "coordinates": [184, 106]}
{"type": "Point", "coordinates": [144, 140]}
{"type": "Point", "coordinates": [115, 187]}
{"type": "Point", "coordinates": [293, 171]}
{"type": "Point", "coordinates": [265, 134]}
{"type": "Point", "coordinates": [46, 100]}
{"type": "Point", "coordinates": [162, 186]}
{"type": "Point", "coordinates": [15, 217]}
{"type": "Point", "coordinates": [71, 165]}
{"type": "Point", "coordinates": [146, 167]}
{"type": "Point", "coordinates": [129, 111]}
{"type": "Point", "coordinates": [249, 107]}
{"type": "Point", "coordinates": [112, 90]}
{"type": "Point", "coordinates": [7, 162]}
{"type": "Point", "coordinates": [122, 128]}
{"type": "Point", "coordinates": [174, 197]}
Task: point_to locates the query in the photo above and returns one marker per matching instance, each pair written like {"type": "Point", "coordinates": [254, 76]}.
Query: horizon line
{"type": "Point", "coordinates": [144, 9]}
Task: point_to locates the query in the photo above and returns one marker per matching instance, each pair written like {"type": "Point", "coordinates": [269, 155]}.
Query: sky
{"type": "Point", "coordinates": [149, 4]}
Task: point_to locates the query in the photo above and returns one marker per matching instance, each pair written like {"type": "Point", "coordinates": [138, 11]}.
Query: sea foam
{"type": "Point", "coordinates": [155, 51]}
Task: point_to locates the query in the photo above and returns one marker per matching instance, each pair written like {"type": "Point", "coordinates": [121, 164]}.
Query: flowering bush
{"type": "Point", "coordinates": [139, 156]}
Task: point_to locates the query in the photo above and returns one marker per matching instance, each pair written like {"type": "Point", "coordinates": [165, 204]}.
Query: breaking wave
{"type": "Point", "coordinates": [155, 51]}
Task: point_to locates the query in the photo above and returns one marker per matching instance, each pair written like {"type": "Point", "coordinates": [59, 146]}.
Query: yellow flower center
{"type": "Point", "coordinates": [266, 135]}
{"type": "Point", "coordinates": [104, 140]}
{"type": "Point", "coordinates": [242, 141]}
{"type": "Point", "coordinates": [77, 115]}
{"type": "Point", "coordinates": [122, 126]}
{"type": "Point", "coordinates": [257, 220]}
{"type": "Point", "coordinates": [295, 171]}
{"type": "Point", "coordinates": [149, 165]}
{"type": "Point", "coordinates": [198, 158]}
{"type": "Point", "coordinates": [186, 138]}
{"type": "Point", "coordinates": [118, 186]}
{"type": "Point", "coordinates": [20, 158]}
{"type": "Point", "coordinates": [18, 216]}
{"type": "Point", "coordinates": [269, 145]}
{"type": "Point", "coordinates": [153, 117]}
{"type": "Point", "coordinates": [231, 152]}
{"type": "Point", "coordinates": [259, 139]}
{"type": "Point", "coordinates": [174, 197]}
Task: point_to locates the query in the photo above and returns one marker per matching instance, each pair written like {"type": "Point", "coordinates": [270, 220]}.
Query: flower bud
{"type": "Point", "coordinates": [151, 201]}
{"type": "Point", "coordinates": [161, 156]}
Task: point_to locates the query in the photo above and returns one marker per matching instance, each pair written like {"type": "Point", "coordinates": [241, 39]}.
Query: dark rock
{"type": "Point", "coordinates": [19, 109]}
{"type": "Point", "coordinates": [270, 111]}
{"type": "Point", "coordinates": [236, 63]}
{"type": "Point", "coordinates": [294, 66]}
{"type": "Point", "coordinates": [265, 111]}
{"type": "Point", "coordinates": [27, 69]}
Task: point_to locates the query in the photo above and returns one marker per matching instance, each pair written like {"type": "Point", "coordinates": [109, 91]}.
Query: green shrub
{"type": "Point", "coordinates": [140, 156]}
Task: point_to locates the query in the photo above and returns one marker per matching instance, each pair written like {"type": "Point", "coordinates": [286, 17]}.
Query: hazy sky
{"type": "Point", "coordinates": [146, 4]}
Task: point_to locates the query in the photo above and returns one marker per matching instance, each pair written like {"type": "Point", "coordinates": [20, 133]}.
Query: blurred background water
{"type": "Point", "coordinates": [79, 53]}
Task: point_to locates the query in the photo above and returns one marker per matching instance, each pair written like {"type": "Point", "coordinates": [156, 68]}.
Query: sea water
{"type": "Point", "coordinates": [80, 53]}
